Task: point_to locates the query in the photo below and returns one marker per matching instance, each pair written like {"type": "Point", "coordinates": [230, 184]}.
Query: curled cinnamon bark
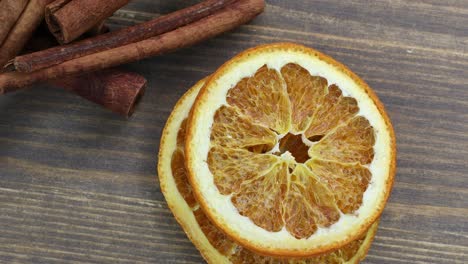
{"type": "Point", "coordinates": [116, 90]}
{"type": "Point", "coordinates": [23, 29]}
{"type": "Point", "coordinates": [10, 11]}
{"type": "Point", "coordinates": [69, 19]}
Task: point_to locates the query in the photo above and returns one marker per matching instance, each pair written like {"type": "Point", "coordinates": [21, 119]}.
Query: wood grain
{"type": "Point", "coordinates": [78, 184]}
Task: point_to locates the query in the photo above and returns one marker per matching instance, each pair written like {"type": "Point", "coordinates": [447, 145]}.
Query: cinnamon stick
{"type": "Point", "coordinates": [23, 29]}
{"type": "Point", "coordinates": [163, 24]}
{"type": "Point", "coordinates": [10, 11]}
{"type": "Point", "coordinates": [113, 89]}
{"type": "Point", "coordinates": [68, 19]}
{"type": "Point", "coordinates": [117, 90]}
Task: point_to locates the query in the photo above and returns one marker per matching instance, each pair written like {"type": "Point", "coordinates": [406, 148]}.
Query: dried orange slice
{"type": "Point", "coordinates": [214, 245]}
{"type": "Point", "coordinates": [288, 152]}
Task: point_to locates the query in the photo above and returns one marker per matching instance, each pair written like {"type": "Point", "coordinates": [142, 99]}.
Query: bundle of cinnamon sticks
{"type": "Point", "coordinates": [67, 20]}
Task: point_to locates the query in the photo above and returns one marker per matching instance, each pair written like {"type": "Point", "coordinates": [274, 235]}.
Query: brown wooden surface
{"type": "Point", "coordinates": [78, 184]}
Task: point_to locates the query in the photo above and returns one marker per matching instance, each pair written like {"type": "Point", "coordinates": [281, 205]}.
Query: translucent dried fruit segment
{"type": "Point", "coordinates": [260, 199]}
{"type": "Point", "coordinates": [232, 167]}
{"type": "Point", "coordinates": [178, 166]}
{"type": "Point", "coordinates": [308, 204]}
{"type": "Point", "coordinates": [216, 237]}
{"type": "Point", "coordinates": [181, 133]}
{"type": "Point", "coordinates": [180, 176]}
{"type": "Point", "coordinates": [347, 182]}
{"type": "Point", "coordinates": [334, 110]}
{"type": "Point", "coordinates": [351, 142]}
{"type": "Point", "coordinates": [230, 129]}
{"type": "Point", "coordinates": [306, 93]}
{"type": "Point", "coordinates": [263, 97]}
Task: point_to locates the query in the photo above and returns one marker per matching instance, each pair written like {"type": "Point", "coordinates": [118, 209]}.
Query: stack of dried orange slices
{"type": "Point", "coordinates": [283, 155]}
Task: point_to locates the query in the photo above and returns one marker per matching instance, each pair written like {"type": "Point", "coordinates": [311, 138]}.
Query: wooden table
{"type": "Point", "coordinates": [78, 184]}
